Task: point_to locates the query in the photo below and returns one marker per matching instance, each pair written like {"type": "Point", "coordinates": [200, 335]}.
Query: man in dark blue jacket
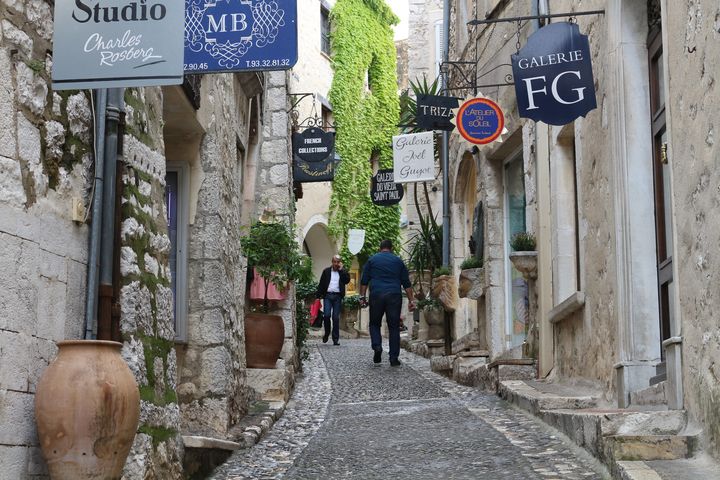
{"type": "Point", "coordinates": [387, 275]}
{"type": "Point", "coordinates": [332, 290]}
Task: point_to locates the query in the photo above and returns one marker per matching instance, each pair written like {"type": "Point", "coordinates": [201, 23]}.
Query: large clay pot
{"type": "Point", "coordinates": [264, 337]}
{"type": "Point", "coordinates": [87, 408]}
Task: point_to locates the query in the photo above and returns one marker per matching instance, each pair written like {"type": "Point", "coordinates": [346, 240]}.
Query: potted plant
{"type": "Point", "coordinates": [444, 288]}
{"type": "Point", "coordinates": [271, 251]}
{"type": "Point", "coordinates": [471, 282]}
{"type": "Point", "coordinates": [350, 311]}
{"type": "Point", "coordinates": [434, 315]}
{"type": "Point", "coordinates": [524, 255]}
{"type": "Point", "coordinates": [424, 253]}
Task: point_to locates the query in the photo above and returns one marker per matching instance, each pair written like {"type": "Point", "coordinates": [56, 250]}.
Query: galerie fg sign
{"type": "Point", "coordinates": [103, 44]}
{"type": "Point", "coordinates": [553, 75]}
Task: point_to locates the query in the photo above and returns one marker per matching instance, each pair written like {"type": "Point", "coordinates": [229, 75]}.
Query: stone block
{"type": "Point", "coordinates": [16, 417]}
{"type": "Point", "coordinates": [206, 328]}
{"type": "Point", "coordinates": [270, 384]}
{"type": "Point", "coordinates": [31, 88]}
{"type": "Point", "coordinates": [213, 288]}
{"type": "Point", "coordinates": [442, 363]}
{"type": "Point", "coordinates": [645, 448]}
{"type": "Point", "coordinates": [51, 309]}
{"type": "Point", "coordinates": [281, 127]}
{"type": "Point", "coordinates": [18, 290]}
{"type": "Point", "coordinates": [196, 441]}
{"type": "Point", "coordinates": [463, 369]}
{"type": "Point", "coordinates": [75, 301]}
{"type": "Point", "coordinates": [15, 348]}
{"type": "Point", "coordinates": [279, 174]}
{"type": "Point", "coordinates": [12, 192]}
{"type": "Point", "coordinates": [215, 370]}
{"type": "Point", "coordinates": [14, 461]}
{"type": "Point", "coordinates": [209, 416]}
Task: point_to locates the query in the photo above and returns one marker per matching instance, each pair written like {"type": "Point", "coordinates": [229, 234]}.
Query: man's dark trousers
{"type": "Point", "coordinates": [390, 305]}
{"type": "Point", "coordinates": [332, 303]}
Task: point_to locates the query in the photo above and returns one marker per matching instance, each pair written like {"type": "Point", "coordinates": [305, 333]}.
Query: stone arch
{"type": "Point", "coordinates": [317, 243]}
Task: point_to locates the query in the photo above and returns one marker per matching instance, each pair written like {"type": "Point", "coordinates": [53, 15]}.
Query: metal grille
{"type": "Point", "coordinates": [191, 87]}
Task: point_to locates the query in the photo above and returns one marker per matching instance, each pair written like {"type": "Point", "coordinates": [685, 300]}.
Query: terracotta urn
{"type": "Point", "coordinates": [264, 337]}
{"type": "Point", "coordinates": [87, 408]}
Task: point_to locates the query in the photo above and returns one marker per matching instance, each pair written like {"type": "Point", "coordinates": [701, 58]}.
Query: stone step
{"type": "Point", "coordinates": [471, 341]}
{"type": "Point", "coordinates": [442, 363]}
{"type": "Point", "coordinates": [653, 395]}
{"type": "Point", "coordinates": [650, 447]}
{"type": "Point", "coordinates": [473, 353]}
{"type": "Point", "coordinates": [700, 467]}
{"type": "Point", "coordinates": [526, 396]}
{"type": "Point", "coordinates": [464, 368]}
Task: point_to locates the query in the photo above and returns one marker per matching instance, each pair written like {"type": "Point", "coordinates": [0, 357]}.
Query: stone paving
{"type": "Point", "coordinates": [351, 419]}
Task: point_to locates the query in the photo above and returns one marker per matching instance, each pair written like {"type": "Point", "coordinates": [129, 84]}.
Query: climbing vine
{"type": "Point", "coordinates": [366, 118]}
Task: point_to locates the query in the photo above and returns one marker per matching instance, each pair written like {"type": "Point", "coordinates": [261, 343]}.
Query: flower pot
{"type": "Point", "coordinates": [264, 337]}
{"type": "Point", "coordinates": [525, 263]}
{"type": "Point", "coordinates": [435, 318]}
{"type": "Point", "coordinates": [87, 408]}
{"type": "Point", "coordinates": [471, 283]}
{"type": "Point", "coordinates": [444, 288]}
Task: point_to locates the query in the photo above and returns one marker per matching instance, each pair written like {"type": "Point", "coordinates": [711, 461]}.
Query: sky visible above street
{"type": "Point", "coordinates": [400, 7]}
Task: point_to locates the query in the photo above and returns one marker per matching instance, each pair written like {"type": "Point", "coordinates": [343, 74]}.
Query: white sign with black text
{"type": "Point", "coordinates": [414, 157]}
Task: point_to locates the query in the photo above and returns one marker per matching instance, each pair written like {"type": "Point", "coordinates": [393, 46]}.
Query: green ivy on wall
{"type": "Point", "coordinates": [366, 119]}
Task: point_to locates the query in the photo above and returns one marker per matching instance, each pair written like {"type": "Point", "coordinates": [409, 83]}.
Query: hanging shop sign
{"type": "Point", "coordinates": [414, 157]}
{"type": "Point", "coordinates": [355, 240]}
{"type": "Point", "coordinates": [384, 191]}
{"type": "Point", "coordinates": [313, 144]}
{"type": "Point", "coordinates": [435, 112]}
{"type": "Point", "coordinates": [306, 172]}
{"type": "Point", "coordinates": [98, 44]}
{"type": "Point", "coordinates": [240, 35]}
{"type": "Point", "coordinates": [553, 75]}
{"type": "Point", "coordinates": [480, 121]}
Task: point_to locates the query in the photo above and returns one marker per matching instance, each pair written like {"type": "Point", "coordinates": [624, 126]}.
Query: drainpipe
{"type": "Point", "coordinates": [97, 215]}
{"type": "Point", "coordinates": [105, 292]}
{"type": "Point", "coordinates": [444, 153]}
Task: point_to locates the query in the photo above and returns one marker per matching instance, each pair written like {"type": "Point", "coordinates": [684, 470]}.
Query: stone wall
{"type": "Point", "coordinates": [274, 190]}
{"type": "Point", "coordinates": [693, 53]}
{"type": "Point", "coordinates": [45, 166]}
{"type": "Point", "coordinates": [146, 299]}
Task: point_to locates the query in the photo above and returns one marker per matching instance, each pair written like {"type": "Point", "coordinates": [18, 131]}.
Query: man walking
{"type": "Point", "coordinates": [332, 289]}
{"type": "Point", "coordinates": [387, 275]}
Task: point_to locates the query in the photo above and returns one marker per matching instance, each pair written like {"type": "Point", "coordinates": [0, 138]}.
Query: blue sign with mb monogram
{"type": "Point", "coordinates": [240, 35]}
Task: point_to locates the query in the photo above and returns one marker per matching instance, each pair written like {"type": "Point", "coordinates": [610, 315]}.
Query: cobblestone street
{"type": "Point", "coordinates": [349, 418]}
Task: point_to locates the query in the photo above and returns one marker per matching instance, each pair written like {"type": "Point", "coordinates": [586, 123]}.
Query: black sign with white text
{"type": "Point", "coordinates": [384, 191]}
{"type": "Point", "coordinates": [307, 172]}
{"type": "Point", "coordinates": [434, 112]}
{"type": "Point", "coordinates": [314, 144]}
{"type": "Point", "coordinates": [553, 75]}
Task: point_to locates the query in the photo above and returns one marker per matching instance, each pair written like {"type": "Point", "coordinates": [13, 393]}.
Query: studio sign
{"type": "Point", "coordinates": [384, 191]}
{"type": "Point", "coordinates": [102, 44]}
{"type": "Point", "coordinates": [553, 75]}
{"type": "Point", "coordinates": [313, 144]}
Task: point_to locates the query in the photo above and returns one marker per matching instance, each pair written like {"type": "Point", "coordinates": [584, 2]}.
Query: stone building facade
{"type": "Point", "coordinates": [620, 202]}
{"type": "Point", "coordinates": [199, 162]}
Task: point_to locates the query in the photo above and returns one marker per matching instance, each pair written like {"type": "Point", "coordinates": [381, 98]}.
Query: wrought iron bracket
{"type": "Point", "coordinates": [535, 17]}
{"type": "Point", "coordinates": [314, 120]}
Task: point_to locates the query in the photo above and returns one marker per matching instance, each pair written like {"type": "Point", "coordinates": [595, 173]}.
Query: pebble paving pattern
{"type": "Point", "coordinates": [352, 419]}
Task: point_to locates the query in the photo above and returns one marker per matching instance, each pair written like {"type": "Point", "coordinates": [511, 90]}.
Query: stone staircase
{"type": "Point", "coordinates": [614, 436]}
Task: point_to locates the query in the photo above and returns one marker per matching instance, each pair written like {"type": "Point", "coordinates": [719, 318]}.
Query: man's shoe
{"type": "Point", "coordinates": [325, 337]}
{"type": "Point", "coordinates": [336, 343]}
{"type": "Point", "coordinates": [377, 356]}
{"type": "Point", "coordinates": [395, 363]}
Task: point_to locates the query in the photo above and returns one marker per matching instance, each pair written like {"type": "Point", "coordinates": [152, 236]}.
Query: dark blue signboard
{"type": "Point", "coordinates": [553, 75]}
{"type": "Point", "coordinates": [240, 35]}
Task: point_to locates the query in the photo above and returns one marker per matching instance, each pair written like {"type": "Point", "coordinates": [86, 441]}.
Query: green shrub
{"type": "Point", "coordinates": [442, 271]}
{"type": "Point", "coordinates": [351, 302]}
{"type": "Point", "coordinates": [428, 303]}
{"type": "Point", "coordinates": [523, 242]}
{"type": "Point", "coordinates": [471, 262]}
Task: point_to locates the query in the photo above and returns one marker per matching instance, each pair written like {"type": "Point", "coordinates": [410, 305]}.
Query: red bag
{"type": "Point", "coordinates": [315, 317]}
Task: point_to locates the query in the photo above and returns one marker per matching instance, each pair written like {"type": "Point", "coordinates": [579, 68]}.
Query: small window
{"type": "Point", "coordinates": [325, 30]}
{"type": "Point", "coordinates": [176, 201]}
{"type": "Point", "coordinates": [327, 121]}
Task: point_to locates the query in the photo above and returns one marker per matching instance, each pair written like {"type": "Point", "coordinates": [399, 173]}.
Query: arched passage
{"type": "Point", "coordinates": [319, 247]}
